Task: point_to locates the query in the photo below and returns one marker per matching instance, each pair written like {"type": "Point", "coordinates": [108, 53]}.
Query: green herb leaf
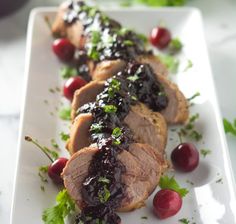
{"type": "Point", "coordinates": [189, 129]}
{"type": "Point", "coordinates": [128, 43]}
{"type": "Point", "coordinates": [156, 3]}
{"type": "Point", "coordinates": [56, 215]}
{"type": "Point", "coordinates": [170, 183]}
{"type": "Point", "coordinates": [103, 180]}
{"type": "Point", "coordinates": [133, 78]}
{"type": "Point", "coordinates": [64, 136]}
{"type": "Point", "coordinates": [64, 114]}
{"type": "Point", "coordinates": [96, 127]}
{"type": "Point", "coordinates": [114, 87]}
{"type": "Point", "coordinates": [67, 72]}
{"type": "Point", "coordinates": [54, 144]}
{"type": "Point", "coordinates": [104, 195]}
{"type": "Point", "coordinates": [194, 96]}
{"type": "Point", "coordinates": [43, 170]}
{"type": "Point", "coordinates": [184, 221]}
{"type": "Point", "coordinates": [172, 63]}
{"type": "Point", "coordinates": [229, 127]}
{"type": "Point", "coordinates": [144, 217]}
{"type": "Point", "coordinates": [189, 65]}
{"type": "Point", "coordinates": [175, 45]}
{"type": "Point", "coordinates": [110, 109]}
{"type": "Point", "coordinates": [205, 152]}
{"type": "Point", "coordinates": [116, 133]}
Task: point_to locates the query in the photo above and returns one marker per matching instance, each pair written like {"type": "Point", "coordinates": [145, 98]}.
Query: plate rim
{"type": "Point", "coordinates": [39, 10]}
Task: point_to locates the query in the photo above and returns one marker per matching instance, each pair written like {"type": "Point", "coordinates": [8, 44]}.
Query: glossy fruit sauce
{"type": "Point", "coordinates": [103, 189]}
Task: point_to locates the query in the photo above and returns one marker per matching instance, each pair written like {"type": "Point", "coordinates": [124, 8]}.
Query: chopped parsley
{"type": "Point", "coordinates": [64, 207]}
{"type": "Point", "coordinates": [189, 130]}
{"type": "Point", "coordinates": [144, 217]}
{"type": "Point", "coordinates": [103, 180]}
{"type": "Point", "coordinates": [110, 109]}
{"type": "Point", "coordinates": [175, 45]}
{"type": "Point", "coordinates": [189, 65]}
{"type": "Point", "coordinates": [54, 144]}
{"type": "Point", "coordinates": [67, 72]}
{"type": "Point", "coordinates": [133, 78]}
{"type": "Point", "coordinates": [128, 43]}
{"type": "Point", "coordinates": [194, 96]}
{"type": "Point", "coordinates": [205, 152]}
{"type": "Point", "coordinates": [229, 127]}
{"type": "Point", "coordinates": [153, 3]}
{"type": "Point", "coordinates": [64, 136]}
{"type": "Point", "coordinates": [184, 221]}
{"type": "Point", "coordinates": [96, 127]}
{"type": "Point", "coordinates": [170, 183]}
{"type": "Point", "coordinates": [93, 46]}
{"type": "Point", "coordinates": [104, 195]}
{"type": "Point", "coordinates": [171, 62]}
{"type": "Point", "coordinates": [116, 133]}
{"type": "Point", "coordinates": [114, 87]}
{"type": "Point", "coordinates": [219, 181]}
{"type": "Point", "coordinates": [64, 114]}
{"type": "Point", "coordinates": [43, 170]}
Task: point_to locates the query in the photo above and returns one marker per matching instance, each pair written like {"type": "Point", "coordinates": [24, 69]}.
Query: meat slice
{"type": "Point", "coordinates": [86, 94]}
{"type": "Point", "coordinates": [106, 69]}
{"type": "Point", "coordinates": [148, 126]}
{"type": "Point", "coordinates": [143, 171]}
{"type": "Point", "coordinates": [177, 111]}
{"type": "Point", "coordinates": [79, 133]}
{"type": "Point", "coordinates": [109, 68]}
{"type": "Point", "coordinates": [74, 32]}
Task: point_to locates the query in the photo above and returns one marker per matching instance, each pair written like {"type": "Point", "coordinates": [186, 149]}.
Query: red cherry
{"type": "Point", "coordinates": [71, 85]}
{"type": "Point", "coordinates": [64, 49]}
{"type": "Point", "coordinates": [55, 170]}
{"type": "Point", "coordinates": [166, 203]}
{"type": "Point", "coordinates": [185, 157]}
{"type": "Point", "coordinates": [160, 37]}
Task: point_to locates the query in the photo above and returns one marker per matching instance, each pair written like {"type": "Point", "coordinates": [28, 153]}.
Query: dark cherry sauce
{"type": "Point", "coordinates": [103, 189]}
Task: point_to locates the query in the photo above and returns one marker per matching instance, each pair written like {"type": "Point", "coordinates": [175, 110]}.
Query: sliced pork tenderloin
{"type": "Point", "coordinates": [79, 133]}
{"type": "Point", "coordinates": [86, 94]}
{"type": "Point", "coordinates": [141, 176]}
{"type": "Point", "coordinates": [147, 126]}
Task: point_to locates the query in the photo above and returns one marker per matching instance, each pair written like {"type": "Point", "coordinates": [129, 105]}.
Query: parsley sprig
{"type": "Point", "coordinates": [170, 183]}
{"type": "Point", "coordinates": [189, 129]}
{"type": "Point", "coordinates": [230, 127]}
{"type": "Point", "coordinates": [64, 206]}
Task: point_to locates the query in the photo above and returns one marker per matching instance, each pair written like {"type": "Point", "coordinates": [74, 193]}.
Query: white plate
{"type": "Point", "coordinates": [208, 202]}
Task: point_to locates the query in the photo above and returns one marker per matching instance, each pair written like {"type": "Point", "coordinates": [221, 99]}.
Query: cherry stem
{"type": "Point", "coordinates": [29, 139]}
{"type": "Point", "coordinates": [180, 137]}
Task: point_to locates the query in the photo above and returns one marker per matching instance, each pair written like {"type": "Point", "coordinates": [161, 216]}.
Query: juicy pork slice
{"type": "Point", "coordinates": [73, 32]}
{"type": "Point", "coordinates": [143, 170]}
{"type": "Point", "coordinates": [86, 94]}
{"type": "Point", "coordinates": [175, 112]}
{"type": "Point", "coordinates": [147, 126]}
{"type": "Point", "coordinates": [79, 133]}
{"type": "Point", "coordinates": [106, 69]}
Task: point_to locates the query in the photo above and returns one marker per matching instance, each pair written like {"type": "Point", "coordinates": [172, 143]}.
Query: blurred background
{"type": "Point", "coordinates": [220, 30]}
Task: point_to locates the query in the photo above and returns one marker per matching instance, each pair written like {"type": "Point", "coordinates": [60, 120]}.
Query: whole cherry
{"type": "Point", "coordinates": [56, 168]}
{"type": "Point", "coordinates": [71, 85]}
{"type": "Point", "coordinates": [160, 37]}
{"type": "Point", "coordinates": [57, 165]}
{"type": "Point", "coordinates": [64, 49]}
{"type": "Point", "coordinates": [185, 157]}
{"type": "Point", "coordinates": [166, 203]}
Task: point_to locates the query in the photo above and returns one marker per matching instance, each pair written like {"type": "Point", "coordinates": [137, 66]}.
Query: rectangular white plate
{"type": "Point", "coordinates": [210, 201]}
